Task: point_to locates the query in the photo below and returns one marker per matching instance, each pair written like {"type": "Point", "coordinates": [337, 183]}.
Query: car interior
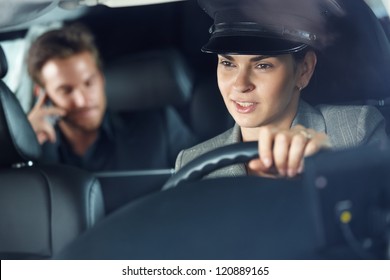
{"type": "Point", "coordinates": [152, 60]}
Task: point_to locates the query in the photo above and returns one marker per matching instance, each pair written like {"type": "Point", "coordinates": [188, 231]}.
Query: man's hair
{"type": "Point", "coordinates": [60, 43]}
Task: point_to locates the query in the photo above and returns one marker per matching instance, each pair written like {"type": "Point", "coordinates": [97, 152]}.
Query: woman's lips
{"type": "Point", "coordinates": [245, 107]}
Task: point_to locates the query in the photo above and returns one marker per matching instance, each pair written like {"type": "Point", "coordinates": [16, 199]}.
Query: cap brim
{"type": "Point", "coordinates": [251, 45]}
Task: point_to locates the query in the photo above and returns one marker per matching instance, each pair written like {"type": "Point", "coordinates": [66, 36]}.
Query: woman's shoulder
{"type": "Point", "coordinates": [220, 140]}
{"type": "Point", "coordinates": [359, 116]}
{"type": "Point", "coordinates": [349, 110]}
{"type": "Point", "coordinates": [354, 124]}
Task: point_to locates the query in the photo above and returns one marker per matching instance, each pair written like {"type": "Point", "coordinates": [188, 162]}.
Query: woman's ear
{"type": "Point", "coordinates": [307, 68]}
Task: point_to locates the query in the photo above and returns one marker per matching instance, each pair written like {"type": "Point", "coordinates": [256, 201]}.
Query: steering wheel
{"type": "Point", "coordinates": [213, 160]}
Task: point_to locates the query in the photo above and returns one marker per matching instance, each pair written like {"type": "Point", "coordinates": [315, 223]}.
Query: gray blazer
{"type": "Point", "coordinates": [346, 126]}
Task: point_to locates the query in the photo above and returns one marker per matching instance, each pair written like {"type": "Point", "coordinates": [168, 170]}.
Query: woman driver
{"type": "Point", "coordinates": [266, 56]}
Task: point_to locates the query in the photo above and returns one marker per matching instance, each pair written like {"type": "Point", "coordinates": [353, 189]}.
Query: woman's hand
{"type": "Point", "coordinates": [282, 151]}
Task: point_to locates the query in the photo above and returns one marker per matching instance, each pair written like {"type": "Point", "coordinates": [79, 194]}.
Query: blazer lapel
{"type": "Point", "coordinates": [309, 117]}
{"type": "Point", "coordinates": [236, 169]}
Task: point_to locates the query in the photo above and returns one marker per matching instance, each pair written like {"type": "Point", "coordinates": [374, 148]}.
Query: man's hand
{"type": "Point", "coordinates": [38, 118]}
{"type": "Point", "coordinates": [282, 151]}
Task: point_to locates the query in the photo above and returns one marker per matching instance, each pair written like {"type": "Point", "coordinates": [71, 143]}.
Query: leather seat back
{"type": "Point", "coordinates": [354, 67]}
{"type": "Point", "coordinates": [148, 80]}
{"type": "Point", "coordinates": [42, 208]}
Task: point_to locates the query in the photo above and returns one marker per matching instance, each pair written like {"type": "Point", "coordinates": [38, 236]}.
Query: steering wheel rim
{"type": "Point", "coordinates": [221, 157]}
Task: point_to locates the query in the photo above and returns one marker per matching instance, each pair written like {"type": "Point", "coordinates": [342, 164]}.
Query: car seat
{"type": "Point", "coordinates": [42, 208]}
{"type": "Point", "coordinates": [148, 80]}
{"type": "Point", "coordinates": [154, 82]}
{"type": "Point", "coordinates": [209, 116]}
{"type": "Point", "coordinates": [353, 69]}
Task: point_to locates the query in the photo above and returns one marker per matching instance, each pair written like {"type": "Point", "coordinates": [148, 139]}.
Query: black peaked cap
{"type": "Point", "coordinates": [269, 27]}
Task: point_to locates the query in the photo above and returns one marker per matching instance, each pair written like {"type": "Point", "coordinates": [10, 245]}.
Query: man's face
{"type": "Point", "coordinates": [76, 85]}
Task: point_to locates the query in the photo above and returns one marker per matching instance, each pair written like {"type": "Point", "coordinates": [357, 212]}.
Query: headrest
{"type": "Point", "coordinates": [148, 80]}
{"type": "Point", "coordinates": [3, 64]}
{"type": "Point", "coordinates": [18, 142]}
{"type": "Point", "coordinates": [207, 107]}
{"type": "Point", "coordinates": [356, 66]}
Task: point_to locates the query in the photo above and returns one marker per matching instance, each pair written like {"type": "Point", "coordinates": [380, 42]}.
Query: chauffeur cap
{"type": "Point", "coordinates": [269, 27]}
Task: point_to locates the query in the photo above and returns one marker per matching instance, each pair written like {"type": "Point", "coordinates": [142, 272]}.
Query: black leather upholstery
{"type": "Point", "coordinates": [3, 64]}
{"type": "Point", "coordinates": [17, 138]}
{"type": "Point", "coordinates": [355, 67]}
{"type": "Point", "coordinates": [148, 80]}
{"type": "Point", "coordinates": [208, 114]}
{"type": "Point", "coordinates": [42, 208]}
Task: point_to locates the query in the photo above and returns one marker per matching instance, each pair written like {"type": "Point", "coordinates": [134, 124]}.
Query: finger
{"type": "Point", "coordinates": [301, 166]}
{"type": "Point", "coordinates": [319, 141]}
{"type": "Point", "coordinates": [257, 165]}
{"type": "Point", "coordinates": [42, 137]}
{"type": "Point", "coordinates": [41, 100]}
{"type": "Point", "coordinates": [280, 152]}
{"type": "Point", "coordinates": [45, 132]}
{"type": "Point", "coordinates": [266, 139]}
{"type": "Point", "coordinates": [296, 153]}
{"type": "Point", "coordinates": [297, 128]}
{"type": "Point", "coordinates": [48, 129]}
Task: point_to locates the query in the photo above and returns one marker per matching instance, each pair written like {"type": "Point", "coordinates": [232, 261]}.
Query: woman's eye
{"type": "Point", "coordinates": [263, 66]}
{"type": "Point", "coordinates": [226, 63]}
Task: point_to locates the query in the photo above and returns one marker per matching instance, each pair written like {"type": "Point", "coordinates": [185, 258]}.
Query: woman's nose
{"type": "Point", "coordinates": [243, 82]}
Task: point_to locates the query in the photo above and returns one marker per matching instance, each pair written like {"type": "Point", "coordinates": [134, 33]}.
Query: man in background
{"type": "Point", "coordinates": [70, 117]}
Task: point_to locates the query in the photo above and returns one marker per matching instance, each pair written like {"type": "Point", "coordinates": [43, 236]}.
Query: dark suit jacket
{"type": "Point", "coordinates": [127, 141]}
{"type": "Point", "coordinates": [346, 126]}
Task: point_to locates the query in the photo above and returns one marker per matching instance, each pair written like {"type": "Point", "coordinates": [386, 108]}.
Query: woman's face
{"type": "Point", "coordinates": [260, 90]}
